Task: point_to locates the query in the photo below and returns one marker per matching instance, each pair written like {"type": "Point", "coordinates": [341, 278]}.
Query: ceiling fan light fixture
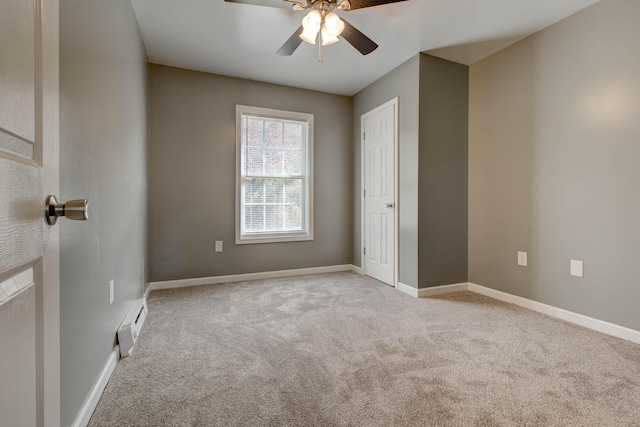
{"type": "Point", "coordinates": [309, 36]}
{"type": "Point", "coordinates": [327, 37]}
{"type": "Point", "coordinates": [311, 26]}
{"type": "Point", "coordinates": [333, 24]}
{"type": "Point", "coordinates": [314, 30]}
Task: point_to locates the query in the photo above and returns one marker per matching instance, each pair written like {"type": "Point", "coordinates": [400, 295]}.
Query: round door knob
{"type": "Point", "coordinates": [74, 209]}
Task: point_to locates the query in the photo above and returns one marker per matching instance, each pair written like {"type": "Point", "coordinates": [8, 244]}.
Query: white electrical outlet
{"type": "Point", "coordinates": [522, 259]}
{"type": "Point", "coordinates": [577, 268]}
{"type": "Point", "coordinates": [218, 245]}
{"type": "Point", "coordinates": [112, 291]}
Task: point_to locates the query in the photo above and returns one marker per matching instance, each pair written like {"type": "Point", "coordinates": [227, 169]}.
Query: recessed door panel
{"type": "Point", "coordinates": [18, 351]}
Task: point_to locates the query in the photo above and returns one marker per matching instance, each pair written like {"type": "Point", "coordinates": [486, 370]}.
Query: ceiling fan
{"type": "Point", "coordinates": [322, 24]}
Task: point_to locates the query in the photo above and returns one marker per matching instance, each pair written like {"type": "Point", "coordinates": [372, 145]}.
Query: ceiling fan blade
{"type": "Point", "coordinates": [292, 44]}
{"type": "Point", "coordinates": [282, 4]}
{"type": "Point", "coordinates": [358, 40]}
{"type": "Point", "coordinates": [361, 4]}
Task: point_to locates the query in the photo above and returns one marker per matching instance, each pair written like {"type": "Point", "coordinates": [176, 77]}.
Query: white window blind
{"type": "Point", "coordinates": [274, 175]}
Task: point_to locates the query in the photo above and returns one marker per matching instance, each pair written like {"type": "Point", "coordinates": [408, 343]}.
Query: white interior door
{"type": "Point", "coordinates": [379, 179]}
{"type": "Point", "coordinates": [29, 259]}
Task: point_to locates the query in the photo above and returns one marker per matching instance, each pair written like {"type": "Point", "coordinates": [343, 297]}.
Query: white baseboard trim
{"type": "Point", "coordinates": [83, 417]}
{"type": "Point", "coordinates": [559, 313]}
{"type": "Point", "coordinates": [434, 290]}
{"type": "Point", "coordinates": [443, 289]}
{"type": "Point", "coordinates": [172, 284]}
{"type": "Point", "coordinates": [411, 291]}
{"type": "Point", "coordinates": [357, 270]}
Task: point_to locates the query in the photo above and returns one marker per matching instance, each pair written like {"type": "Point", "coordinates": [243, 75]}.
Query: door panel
{"type": "Point", "coordinates": [18, 356]}
{"type": "Point", "coordinates": [22, 228]}
{"type": "Point", "coordinates": [20, 104]}
{"type": "Point", "coordinates": [385, 223]}
{"type": "Point", "coordinates": [372, 241]}
{"type": "Point", "coordinates": [379, 200]}
{"type": "Point", "coordinates": [18, 71]}
{"type": "Point", "coordinates": [29, 259]}
{"type": "Point", "coordinates": [384, 171]}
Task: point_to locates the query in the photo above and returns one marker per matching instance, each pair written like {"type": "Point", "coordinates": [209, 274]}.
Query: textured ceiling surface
{"type": "Point", "coordinates": [241, 40]}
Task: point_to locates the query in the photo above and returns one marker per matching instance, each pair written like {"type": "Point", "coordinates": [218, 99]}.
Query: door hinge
{"type": "Point", "coordinates": [365, 250]}
{"type": "Point", "coordinates": [365, 192]}
{"type": "Point", "coordinates": [364, 136]}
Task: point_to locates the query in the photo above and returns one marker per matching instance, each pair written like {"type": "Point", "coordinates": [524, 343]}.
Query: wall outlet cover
{"type": "Point", "coordinates": [522, 259]}
{"type": "Point", "coordinates": [219, 246]}
{"type": "Point", "coordinates": [577, 268]}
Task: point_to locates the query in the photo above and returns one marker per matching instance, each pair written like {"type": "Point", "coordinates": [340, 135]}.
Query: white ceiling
{"type": "Point", "coordinates": [241, 40]}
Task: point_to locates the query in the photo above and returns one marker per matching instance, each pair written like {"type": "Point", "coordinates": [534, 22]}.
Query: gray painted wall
{"type": "Point", "coordinates": [103, 137]}
{"type": "Point", "coordinates": [192, 176]}
{"type": "Point", "coordinates": [402, 82]}
{"type": "Point", "coordinates": [443, 167]}
{"type": "Point", "coordinates": [432, 204]}
{"type": "Point", "coordinates": [553, 164]}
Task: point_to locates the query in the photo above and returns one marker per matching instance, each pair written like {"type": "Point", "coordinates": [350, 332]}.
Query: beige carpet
{"type": "Point", "coordinates": [344, 350]}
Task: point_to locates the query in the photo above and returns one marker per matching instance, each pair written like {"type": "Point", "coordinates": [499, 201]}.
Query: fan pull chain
{"type": "Point", "coordinates": [320, 59]}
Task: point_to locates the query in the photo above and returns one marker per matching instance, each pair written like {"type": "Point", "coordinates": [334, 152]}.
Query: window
{"type": "Point", "coordinates": [274, 175]}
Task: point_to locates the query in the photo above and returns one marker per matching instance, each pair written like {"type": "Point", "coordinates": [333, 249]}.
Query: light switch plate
{"type": "Point", "coordinates": [577, 268]}
{"type": "Point", "coordinates": [218, 245]}
{"type": "Point", "coordinates": [522, 259]}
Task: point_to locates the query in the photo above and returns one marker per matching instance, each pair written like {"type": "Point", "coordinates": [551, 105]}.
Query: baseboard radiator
{"type": "Point", "coordinates": [131, 325]}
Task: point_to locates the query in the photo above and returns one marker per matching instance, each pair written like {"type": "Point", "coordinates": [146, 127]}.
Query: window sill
{"type": "Point", "coordinates": [251, 240]}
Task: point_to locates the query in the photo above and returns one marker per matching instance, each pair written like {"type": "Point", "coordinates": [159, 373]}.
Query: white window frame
{"type": "Point", "coordinates": [307, 176]}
